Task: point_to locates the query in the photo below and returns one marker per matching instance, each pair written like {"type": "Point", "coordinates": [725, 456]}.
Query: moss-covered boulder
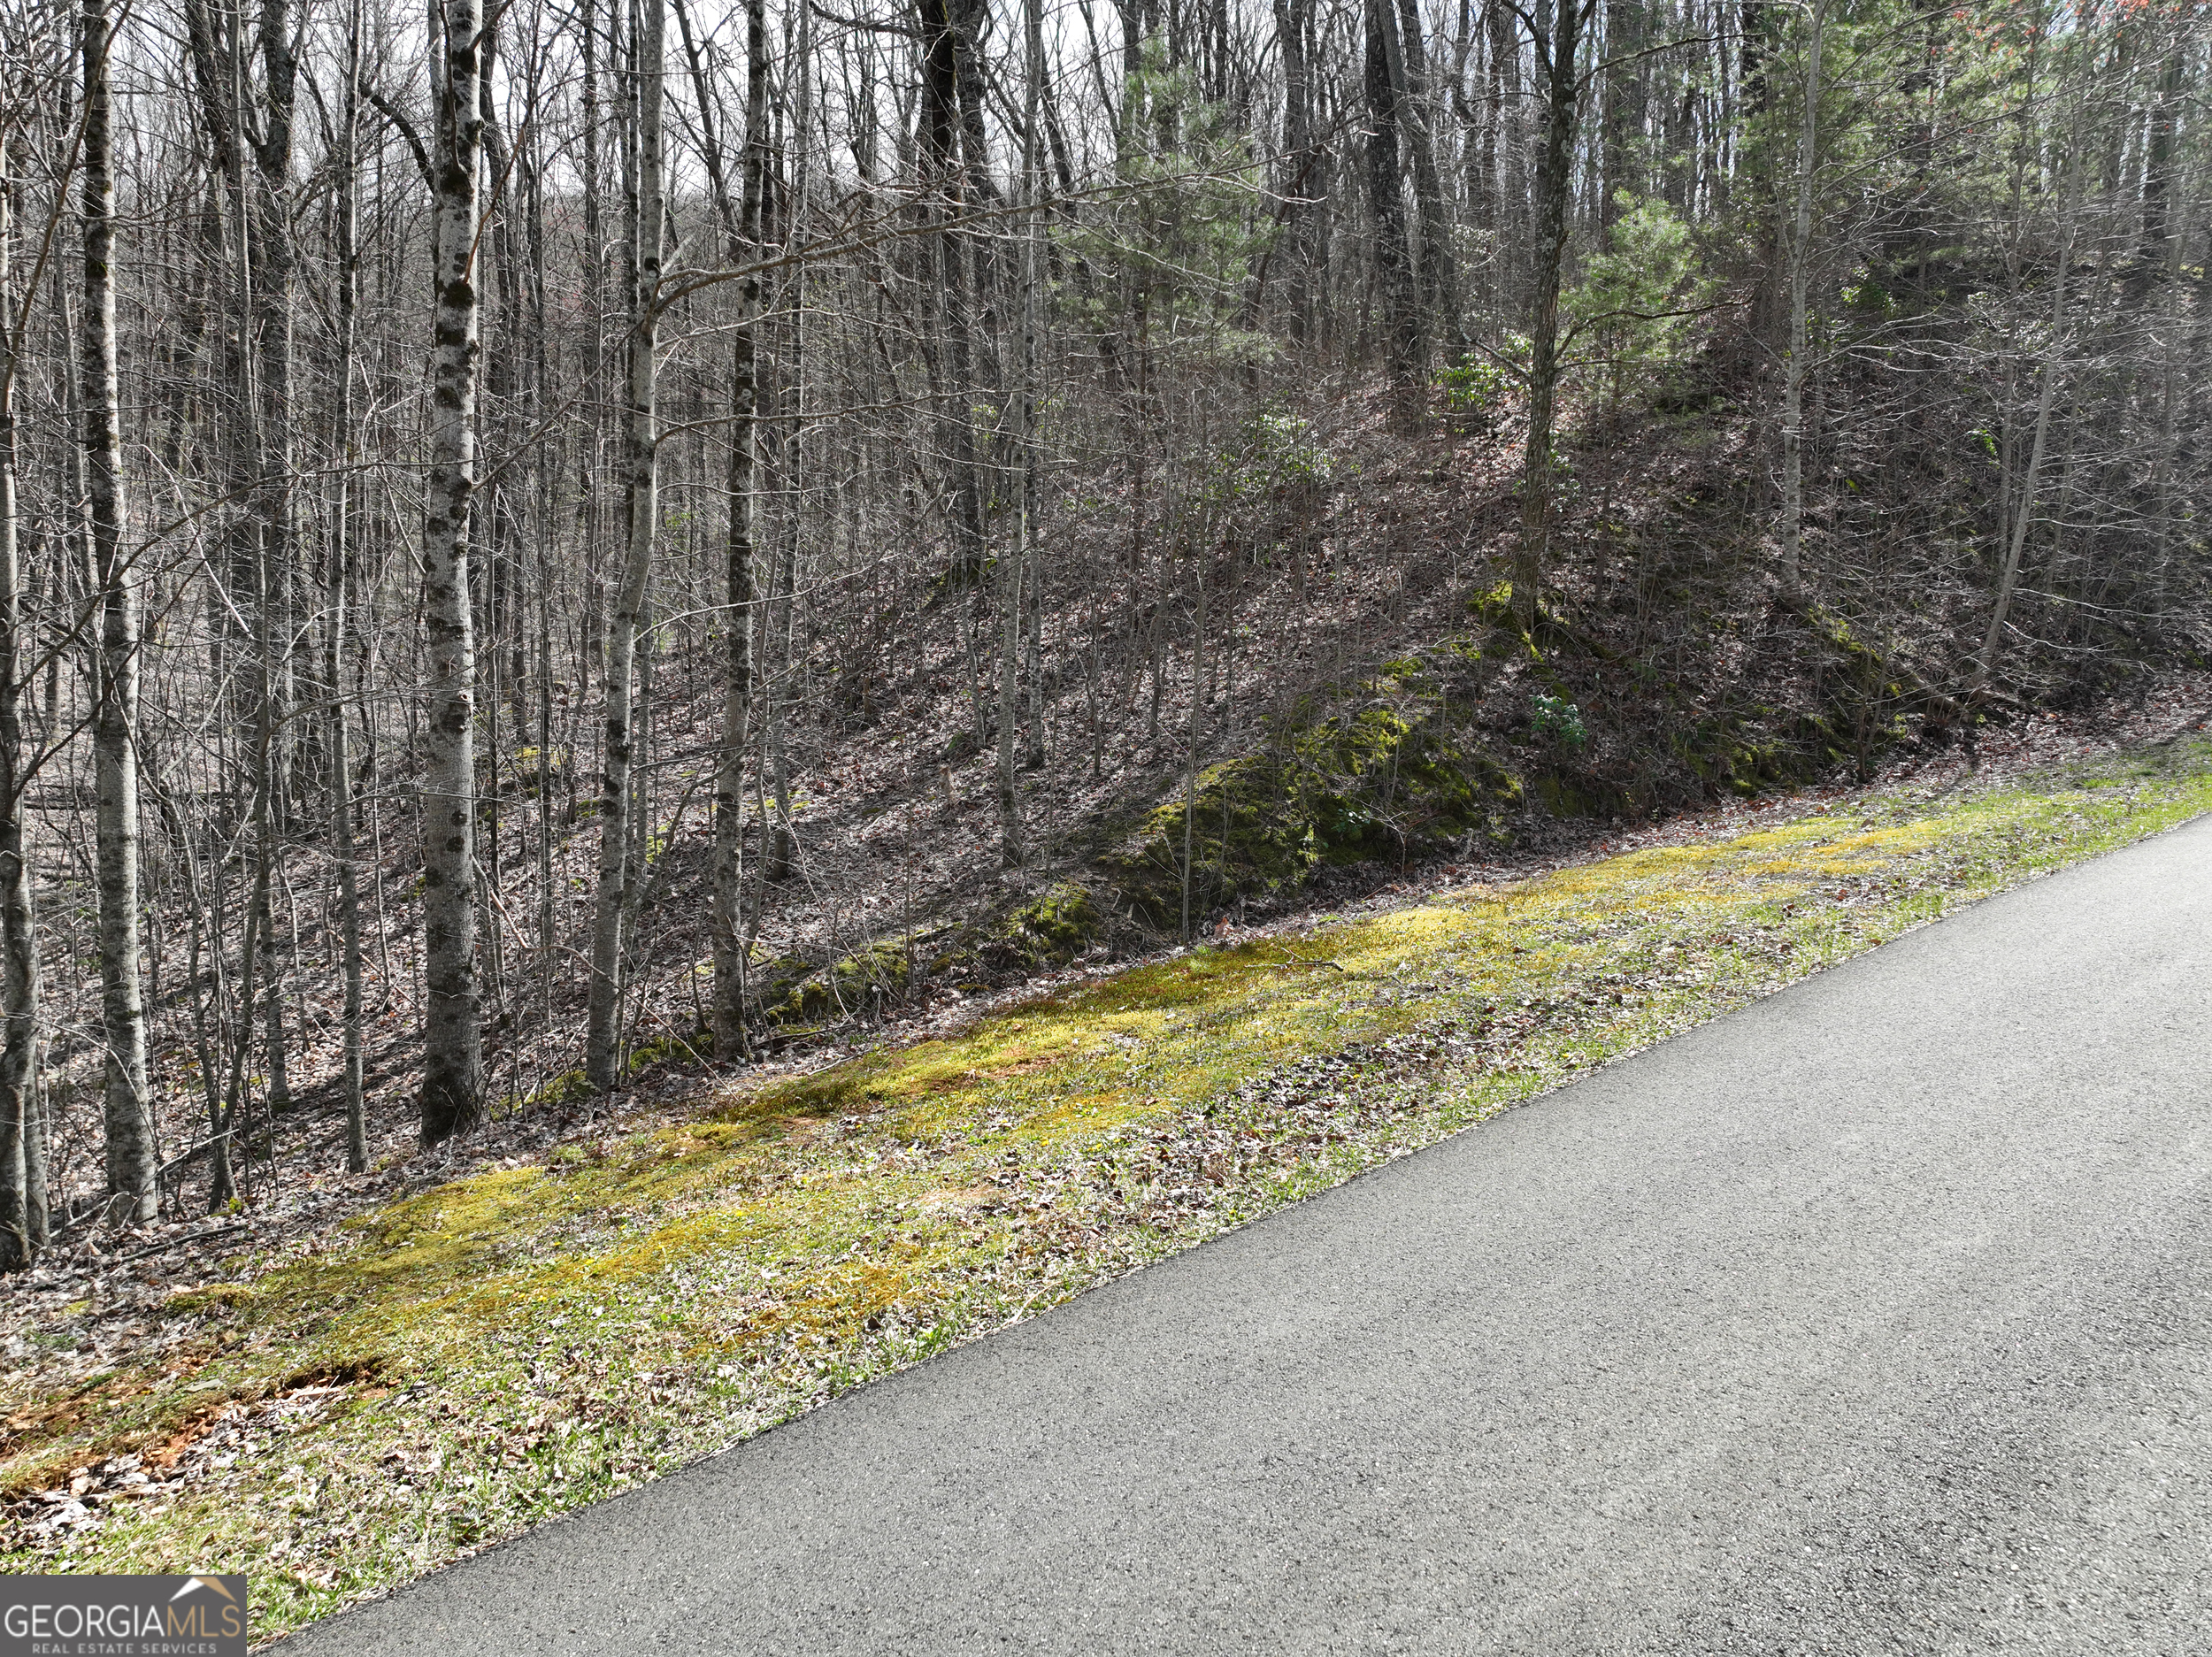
{"type": "Point", "coordinates": [770, 979]}
{"type": "Point", "coordinates": [1377, 782]}
{"type": "Point", "coordinates": [527, 764]}
{"type": "Point", "coordinates": [1248, 838]}
{"type": "Point", "coordinates": [1381, 783]}
{"type": "Point", "coordinates": [1050, 929]}
{"type": "Point", "coordinates": [852, 985]}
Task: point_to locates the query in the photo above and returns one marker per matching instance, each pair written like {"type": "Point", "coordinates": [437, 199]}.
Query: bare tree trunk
{"type": "Point", "coordinates": [737, 691]}
{"type": "Point", "coordinates": [648, 225]}
{"type": "Point", "coordinates": [1439, 268]}
{"type": "Point", "coordinates": [944, 181]}
{"type": "Point", "coordinates": [1793, 364]}
{"type": "Point", "coordinates": [2159, 269]}
{"type": "Point", "coordinates": [278, 550]}
{"type": "Point", "coordinates": [258, 240]}
{"type": "Point", "coordinates": [1505, 156]}
{"type": "Point", "coordinates": [453, 1055]}
{"type": "Point", "coordinates": [1198, 711]}
{"type": "Point", "coordinates": [1010, 608]}
{"type": "Point", "coordinates": [1625, 103]}
{"type": "Point", "coordinates": [1293, 20]}
{"type": "Point", "coordinates": [22, 1148]}
{"type": "Point", "coordinates": [779, 675]}
{"type": "Point", "coordinates": [1033, 188]}
{"type": "Point", "coordinates": [267, 768]}
{"type": "Point", "coordinates": [741, 240]}
{"type": "Point", "coordinates": [133, 1175]}
{"type": "Point", "coordinates": [788, 682]}
{"type": "Point", "coordinates": [1012, 569]}
{"type": "Point", "coordinates": [338, 573]}
{"type": "Point", "coordinates": [1403, 350]}
{"type": "Point", "coordinates": [1556, 60]}
{"type": "Point", "coordinates": [2046, 396]}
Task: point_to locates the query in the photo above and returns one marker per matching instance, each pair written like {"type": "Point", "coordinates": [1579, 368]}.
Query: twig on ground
{"type": "Point", "coordinates": [189, 1236]}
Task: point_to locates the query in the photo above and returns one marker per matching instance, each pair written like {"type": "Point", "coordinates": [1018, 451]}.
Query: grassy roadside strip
{"type": "Point", "coordinates": [451, 1369]}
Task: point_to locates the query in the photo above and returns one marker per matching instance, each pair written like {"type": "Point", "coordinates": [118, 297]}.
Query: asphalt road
{"type": "Point", "coordinates": [1875, 1319]}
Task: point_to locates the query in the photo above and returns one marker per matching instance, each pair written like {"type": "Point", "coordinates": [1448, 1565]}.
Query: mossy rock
{"type": "Point", "coordinates": [1750, 757]}
{"type": "Point", "coordinates": [846, 987]}
{"type": "Point", "coordinates": [568, 1088]}
{"type": "Point", "coordinates": [1050, 929]}
{"type": "Point", "coordinates": [771, 978]}
{"type": "Point", "coordinates": [1377, 782]}
{"type": "Point", "coordinates": [1558, 796]}
{"type": "Point", "coordinates": [691, 1048]}
{"type": "Point", "coordinates": [1495, 607]}
{"type": "Point", "coordinates": [1729, 759]}
{"type": "Point", "coordinates": [1381, 784]}
{"type": "Point", "coordinates": [1250, 837]}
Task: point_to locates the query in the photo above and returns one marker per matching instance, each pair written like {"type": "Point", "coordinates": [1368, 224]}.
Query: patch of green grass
{"type": "Point", "coordinates": [514, 1345]}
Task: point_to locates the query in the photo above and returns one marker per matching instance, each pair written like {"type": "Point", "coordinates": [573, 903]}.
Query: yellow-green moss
{"type": "Point", "coordinates": [556, 1331]}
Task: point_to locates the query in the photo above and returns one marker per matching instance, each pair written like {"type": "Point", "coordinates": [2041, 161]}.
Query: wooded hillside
{"type": "Point", "coordinates": [538, 540]}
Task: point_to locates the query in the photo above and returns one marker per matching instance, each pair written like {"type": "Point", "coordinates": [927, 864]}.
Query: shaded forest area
{"type": "Point", "coordinates": [540, 542]}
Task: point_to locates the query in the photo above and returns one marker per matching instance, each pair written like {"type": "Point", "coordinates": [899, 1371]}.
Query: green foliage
{"type": "Point", "coordinates": [1632, 302]}
{"type": "Point", "coordinates": [1475, 389]}
{"type": "Point", "coordinates": [1276, 457]}
{"type": "Point", "coordinates": [1868, 295]}
{"type": "Point", "coordinates": [1556, 718]}
{"type": "Point", "coordinates": [1280, 449]}
{"type": "Point", "coordinates": [1178, 247]}
{"type": "Point", "coordinates": [1266, 491]}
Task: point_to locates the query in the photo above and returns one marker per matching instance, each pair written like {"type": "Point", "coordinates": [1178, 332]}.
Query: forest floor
{"type": "Point", "coordinates": [363, 1379]}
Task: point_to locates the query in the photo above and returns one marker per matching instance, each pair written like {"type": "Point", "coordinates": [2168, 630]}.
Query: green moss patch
{"type": "Point", "coordinates": [1050, 929]}
{"type": "Point", "coordinates": [855, 983]}
{"type": "Point", "coordinates": [1389, 781]}
{"type": "Point", "coordinates": [452, 1368]}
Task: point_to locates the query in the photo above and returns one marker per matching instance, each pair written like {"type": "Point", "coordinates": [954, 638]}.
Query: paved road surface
{"type": "Point", "coordinates": [1875, 1319]}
